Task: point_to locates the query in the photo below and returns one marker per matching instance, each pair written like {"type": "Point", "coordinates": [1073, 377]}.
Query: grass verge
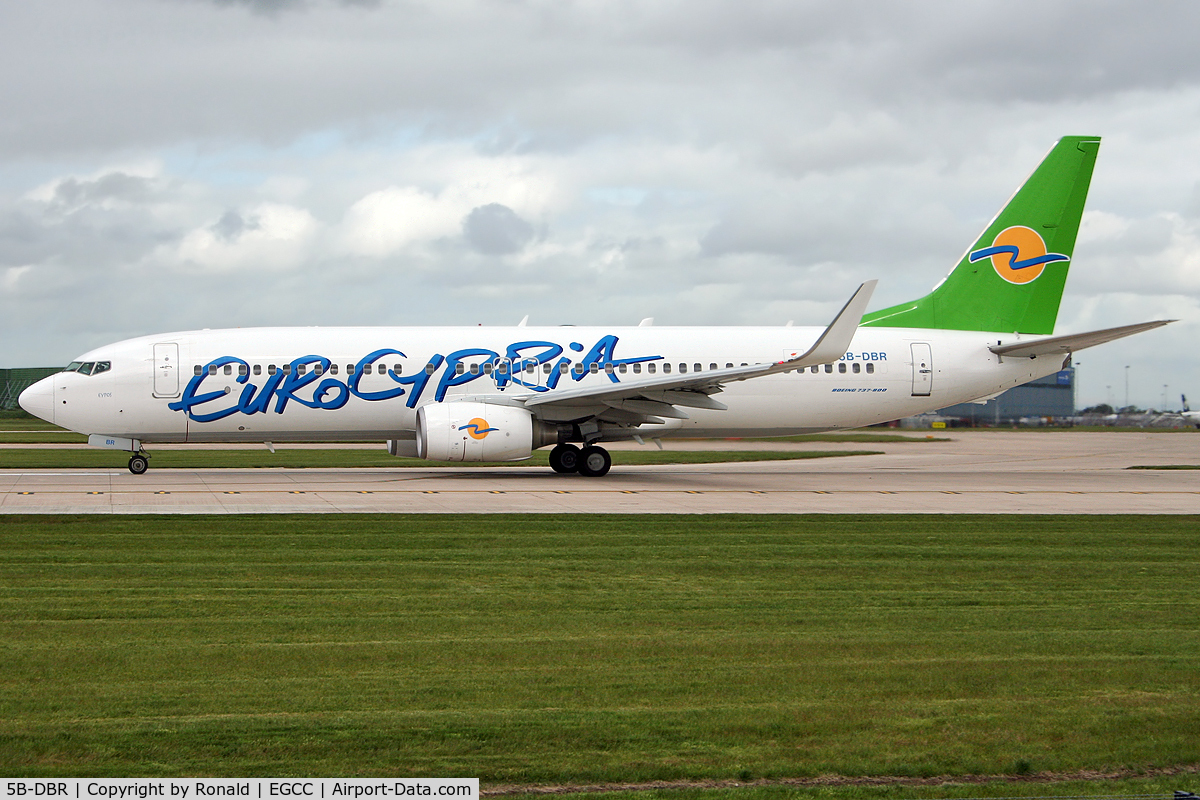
{"type": "Point", "coordinates": [532, 650]}
{"type": "Point", "coordinates": [1165, 466]}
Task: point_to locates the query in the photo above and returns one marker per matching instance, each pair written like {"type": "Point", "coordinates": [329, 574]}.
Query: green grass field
{"type": "Point", "coordinates": [531, 650]}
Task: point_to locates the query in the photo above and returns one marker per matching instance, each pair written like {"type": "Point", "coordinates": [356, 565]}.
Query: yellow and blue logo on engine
{"type": "Point", "coordinates": [477, 428]}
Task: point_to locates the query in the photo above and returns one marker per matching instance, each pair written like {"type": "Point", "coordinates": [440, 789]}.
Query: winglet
{"type": "Point", "coordinates": [836, 339]}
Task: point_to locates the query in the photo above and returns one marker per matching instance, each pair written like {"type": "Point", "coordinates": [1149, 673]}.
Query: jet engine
{"type": "Point", "coordinates": [469, 431]}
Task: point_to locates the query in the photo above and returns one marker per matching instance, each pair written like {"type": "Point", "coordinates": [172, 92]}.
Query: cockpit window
{"type": "Point", "coordinates": [88, 367]}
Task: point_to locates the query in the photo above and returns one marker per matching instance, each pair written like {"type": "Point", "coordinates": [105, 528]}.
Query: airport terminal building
{"type": "Point", "coordinates": [1051, 398]}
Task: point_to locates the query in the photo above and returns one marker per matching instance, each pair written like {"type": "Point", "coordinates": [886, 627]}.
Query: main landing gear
{"type": "Point", "coordinates": [139, 463]}
{"type": "Point", "coordinates": [592, 461]}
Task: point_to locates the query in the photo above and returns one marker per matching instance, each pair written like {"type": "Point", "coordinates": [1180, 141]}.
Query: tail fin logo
{"type": "Point", "coordinates": [1018, 254]}
{"type": "Point", "coordinates": [477, 428]}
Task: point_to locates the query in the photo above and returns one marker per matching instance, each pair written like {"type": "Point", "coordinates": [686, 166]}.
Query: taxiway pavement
{"type": "Point", "coordinates": [974, 472]}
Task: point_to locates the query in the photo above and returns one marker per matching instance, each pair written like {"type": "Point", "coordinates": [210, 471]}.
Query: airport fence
{"type": "Point", "coordinates": [15, 381]}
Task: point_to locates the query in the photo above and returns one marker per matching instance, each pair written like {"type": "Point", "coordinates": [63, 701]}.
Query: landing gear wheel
{"type": "Point", "coordinates": [594, 462]}
{"type": "Point", "coordinates": [138, 464]}
{"type": "Point", "coordinates": [564, 458]}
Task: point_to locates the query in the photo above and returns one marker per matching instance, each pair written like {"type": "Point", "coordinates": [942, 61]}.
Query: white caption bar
{"type": "Point", "coordinates": [253, 788]}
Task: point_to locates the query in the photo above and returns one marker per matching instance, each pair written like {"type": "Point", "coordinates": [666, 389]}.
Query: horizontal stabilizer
{"type": "Point", "coordinates": [1061, 345]}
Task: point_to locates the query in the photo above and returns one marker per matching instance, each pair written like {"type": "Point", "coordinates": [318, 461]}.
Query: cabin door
{"type": "Point", "coordinates": [166, 369]}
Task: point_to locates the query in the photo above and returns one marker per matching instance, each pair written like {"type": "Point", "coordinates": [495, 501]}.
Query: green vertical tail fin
{"type": "Point", "coordinates": [1012, 279]}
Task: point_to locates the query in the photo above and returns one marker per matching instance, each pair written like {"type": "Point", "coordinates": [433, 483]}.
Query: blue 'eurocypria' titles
{"type": "Point", "coordinates": [315, 388]}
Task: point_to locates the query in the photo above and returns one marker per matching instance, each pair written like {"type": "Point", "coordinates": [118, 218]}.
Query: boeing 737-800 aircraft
{"type": "Point", "coordinates": [497, 394]}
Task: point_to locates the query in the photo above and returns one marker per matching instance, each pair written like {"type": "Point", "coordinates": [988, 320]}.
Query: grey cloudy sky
{"type": "Point", "coordinates": [173, 164]}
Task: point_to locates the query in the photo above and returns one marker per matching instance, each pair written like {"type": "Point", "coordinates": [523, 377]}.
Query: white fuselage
{"type": "Point", "coordinates": [163, 389]}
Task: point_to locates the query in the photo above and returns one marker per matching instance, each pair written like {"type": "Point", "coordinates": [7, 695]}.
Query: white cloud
{"type": "Point", "coordinates": [269, 236]}
{"type": "Point", "coordinates": [386, 221]}
{"type": "Point", "coordinates": [12, 276]}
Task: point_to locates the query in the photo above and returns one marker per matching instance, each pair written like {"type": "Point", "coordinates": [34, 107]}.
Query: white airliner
{"type": "Point", "coordinates": [497, 394]}
{"type": "Point", "coordinates": [1189, 416]}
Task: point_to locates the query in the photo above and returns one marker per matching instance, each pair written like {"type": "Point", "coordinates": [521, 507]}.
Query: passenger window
{"type": "Point", "coordinates": [287, 369]}
{"type": "Point", "coordinates": [856, 368]}
{"type": "Point", "coordinates": [301, 369]}
{"type": "Point", "coordinates": [212, 369]}
{"type": "Point", "coordinates": [828, 368]}
{"type": "Point", "coordinates": [367, 369]}
{"type": "Point", "coordinates": [608, 368]}
{"type": "Point", "coordinates": [697, 367]}
{"type": "Point", "coordinates": [349, 369]}
{"type": "Point", "coordinates": [459, 369]}
{"type": "Point", "coordinates": [870, 368]}
{"type": "Point", "coordinates": [229, 369]}
{"type": "Point", "coordinates": [547, 368]}
{"type": "Point", "coordinates": [487, 368]}
{"type": "Point", "coordinates": [333, 369]}
{"type": "Point", "coordinates": [243, 369]}
{"type": "Point", "coordinates": [474, 369]}
{"type": "Point", "coordinates": [563, 368]}
{"type": "Point", "coordinates": [198, 369]}
{"type": "Point", "coordinates": [429, 369]}
{"type": "Point", "coordinates": [398, 369]}
{"type": "Point", "coordinates": [317, 369]}
{"type": "Point", "coordinates": [593, 367]}
{"type": "Point", "coordinates": [623, 368]}
{"type": "Point", "coordinates": [271, 369]}
{"type": "Point", "coordinates": [842, 367]}
{"type": "Point", "coordinates": [579, 369]}
{"type": "Point", "coordinates": [814, 370]}
{"type": "Point", "coordinates": [666, 368]}
{"type": "Point", "coordinates": [637, 369]}
{"type": "Point", "coordinates": [729, 365]}
{"type": "Point", "coordinates": [258, 369]}
{"type": "Point", "coordinates": [651, 367]}
{"type": "Point", "coordinates": [531, 368]}
{"type": "Point", "coordinates": [683, 369]}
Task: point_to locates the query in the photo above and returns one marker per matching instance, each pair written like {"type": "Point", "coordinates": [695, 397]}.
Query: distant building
{"type": "Point", "coordinates": [1052, 397]}
{"type": "Point", "coordinates": [14, 381]}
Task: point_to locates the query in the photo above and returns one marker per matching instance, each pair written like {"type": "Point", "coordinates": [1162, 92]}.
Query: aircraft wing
{"type": "Point", "coordinates": [659, 396]}
{"type": "Point", "coordinates": [1062, 345]}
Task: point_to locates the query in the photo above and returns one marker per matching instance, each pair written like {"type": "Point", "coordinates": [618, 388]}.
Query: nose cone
{"type": "Point", "coordinates": [38, 399]}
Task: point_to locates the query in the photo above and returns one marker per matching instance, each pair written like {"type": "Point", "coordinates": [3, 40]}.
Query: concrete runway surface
{"type": "Point", "coordinates": [1023, 472]}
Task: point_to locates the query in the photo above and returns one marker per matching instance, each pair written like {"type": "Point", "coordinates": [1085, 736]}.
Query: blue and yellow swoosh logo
{"type": "Point", "coordinates": [1018, 254]}
{"type": "Point", "coordinates": [477, 428]}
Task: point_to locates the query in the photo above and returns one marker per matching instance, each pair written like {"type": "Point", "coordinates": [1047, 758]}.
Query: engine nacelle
{"type": "Point", "coordinates": [469, 431]}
